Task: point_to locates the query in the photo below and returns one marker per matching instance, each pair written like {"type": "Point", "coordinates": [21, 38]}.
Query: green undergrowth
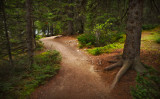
{"type": "Point", "coordinates": [89, 40]}
{"type": "Point", "coordinates": [102, 34]}
{"type": "Point", "coordinates": [155, 37]}
{"type": "Point", "coordinates": [38, 37]}
{"type": "Point", "coordinates": [106, 49]}
{"type": "Point", "coordinates": [21, 82]}
{"type": "Point", "coordinates": [147, 85]}
{"type": "Point", "coordinates": [39, 45]}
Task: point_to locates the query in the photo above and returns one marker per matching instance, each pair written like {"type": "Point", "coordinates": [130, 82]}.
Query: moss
{"type": "Point", "coordinates": [106, 49]}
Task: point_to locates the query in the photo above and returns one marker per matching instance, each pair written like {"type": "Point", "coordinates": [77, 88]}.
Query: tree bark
{"type": "Point", "coordinates": [51, 29]}
{"type": "Point", "coordinates": [34, 34]}
{"type": "Point", "coordinates": [70, 30]}
{"type": "Point", "coordinates": [6, 33]}
{"type": "Point", "coordinates": [48, 30]}
{"type": "Point", "coordinates": [29, 32]}
{"type": "Point", "coordinates": [133, 30]}
{"type": "Point", "coordinates": [131, 52]}
{"type": "Point", "coordinates": [44, 31]}
{"type": "Point", "coordinates": [82, 25]}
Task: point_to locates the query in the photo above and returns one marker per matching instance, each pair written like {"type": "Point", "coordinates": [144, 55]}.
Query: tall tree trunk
{"type": "Point", "coordinates": [82, 26]}
{"type": "Point", "coordinates": [133, 30]}
{"type": "Point", "coordinates": [51, 29]}
{"type": "Point", "coordinates": [131, 52]}
{"type": "Point", "coordinates": [118, 1]}
{"type": "Point", "coordinates": [70, 30]}
{"type": "Point", "coordinates": [44, 31]}
{"type": "Point", "coordinates": [6, 33]}
{"type": "Point", "coordinates": [34, 34]}
{"type": "Point", "coordinates": [48, 30]}
{"type": "Point", "coordinates": [29, 32]}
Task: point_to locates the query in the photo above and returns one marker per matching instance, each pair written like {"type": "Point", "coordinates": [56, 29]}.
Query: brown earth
{"type": "Point", "coordinates": [81, 75]}
{"type": "Point", "coordinates": [76, 78]}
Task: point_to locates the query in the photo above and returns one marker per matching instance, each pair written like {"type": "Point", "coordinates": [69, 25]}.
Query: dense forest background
{"type": "Point", "coordinates": [66, 18]}
{"type": "Point", "coordinates": [24, 22]}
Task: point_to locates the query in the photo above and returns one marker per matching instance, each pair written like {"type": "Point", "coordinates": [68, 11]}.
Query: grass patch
{"type": "Point", "coordinates": [106, 49]}
{"type": "Point", "coordinates": [21, 82]}
{"type": "Point", "coordinates": [155, 37]}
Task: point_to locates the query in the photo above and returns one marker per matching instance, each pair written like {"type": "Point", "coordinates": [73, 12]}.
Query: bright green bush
{"type": "Point", "coordinates": [38, 37]}
{"type": "Point", "coordinates": [106, 49]}
{"type": "Point", "coordinates": [101, 35]}
{"type": "Point", "coordinates": [20, 82]}
{"type": "Point", "coordinates": [147, 86]}
{"type": "Point", "coordinates": [122, 38]}
{"type": "Point", "coordinates": [94, 51]}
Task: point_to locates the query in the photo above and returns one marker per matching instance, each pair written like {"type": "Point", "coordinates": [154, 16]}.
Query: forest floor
{"type": "Point", "coordinates": [78, 77]}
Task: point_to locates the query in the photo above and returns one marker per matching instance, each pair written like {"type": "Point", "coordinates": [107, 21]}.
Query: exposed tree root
{"type": "Point", "coordinates": [122, 71]}
{"type": "Point", "coordinates": [114, 65]}
{"type": "Point", "coordinates": [138, 66]}
{"type": "Point", "coordinates": [126, 64]}
{"type": "Point", "coordinates": [112, 61]}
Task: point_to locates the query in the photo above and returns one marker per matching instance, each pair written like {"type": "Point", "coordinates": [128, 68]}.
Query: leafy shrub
{"type": "Point", "coordinates": [149, 26]}
{"type": "Point", "coordinates": [122, 38]}
{"type": "Point", "coordinates": [158, 40]}
{"type": "Point", "coordinates": [38, 37]}
{"type": "Point", "coordinates": [48, 57]}
{"type": "Point", "coordinates": [39, 45]}
{"type": "Point", "coordinates": [147, 86]}
{"type": "Point", "coordinates": [101, 35]}
{"type": "Point", "coordinates": [94, 51]}
{"type": "Point", "coordinates": [85, 39]}
{"type": "Point", "coordinates": [89, 45]}
{"type": "Point", "coordinates": [23, 80]}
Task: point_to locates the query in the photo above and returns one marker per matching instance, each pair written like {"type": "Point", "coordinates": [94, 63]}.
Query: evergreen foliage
{"type": "Point", "coordinates": [20, 82]}
{"type": "Point", "coordinates": [100, 23]}
{"type": "Point", "coordinates": [147, 85]}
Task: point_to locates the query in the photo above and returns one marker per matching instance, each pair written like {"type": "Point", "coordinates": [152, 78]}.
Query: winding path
{"type": "Point", "coordinates": [76, 78]}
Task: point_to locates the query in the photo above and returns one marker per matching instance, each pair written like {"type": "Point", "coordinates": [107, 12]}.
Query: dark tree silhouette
{"type": "Point", "coordinates": [131, 52]}
{"type": "Point", "coordinates": [6, 32]}
{"type": "Point", "coordinates": [30, 38]}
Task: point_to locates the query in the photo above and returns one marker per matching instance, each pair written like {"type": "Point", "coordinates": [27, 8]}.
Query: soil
{"type": "Point", "coordinates": [76, 78]}
{"type": "Point", "coordinates": [82, 77]}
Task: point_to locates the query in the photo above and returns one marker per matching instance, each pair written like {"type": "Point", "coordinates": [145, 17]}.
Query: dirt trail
{"type": "Point", "coordinates": [76, 78]}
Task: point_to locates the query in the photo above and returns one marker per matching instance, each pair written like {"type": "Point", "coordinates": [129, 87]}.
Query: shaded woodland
{"type": "Point", "coordinates": [99, 25]}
